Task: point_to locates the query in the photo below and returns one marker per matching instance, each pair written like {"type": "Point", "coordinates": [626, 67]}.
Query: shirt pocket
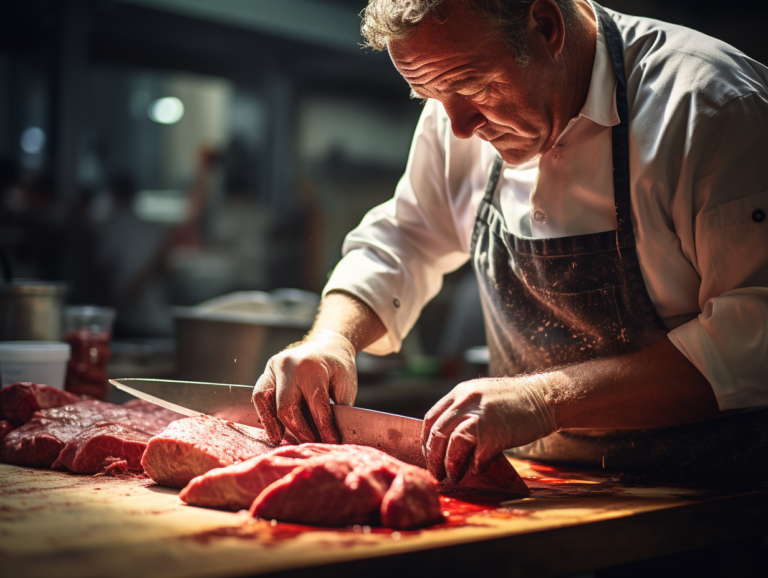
{"type": "Point", "coordinates": [737, 236]}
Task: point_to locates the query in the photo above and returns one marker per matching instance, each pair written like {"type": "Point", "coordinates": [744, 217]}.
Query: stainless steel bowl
{"type": "Point", "coordinates": [231, 338]}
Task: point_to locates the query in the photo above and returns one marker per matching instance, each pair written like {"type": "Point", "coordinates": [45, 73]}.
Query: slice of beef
{"type": "Point", "coordinates": [190, 447]}
{"type": "Point", "coordinates": [350, 484]}
{"type": "Point", "coordinates": [329, 490]}
{"type": "Point", "coordinates": [88, 451]}
{"type": "Point", "coordinates": [40, 441]}
{"type": "Point", "coordinates": [411, 500]}
{"type": "Point", "coordinates": [19, 401]}
{"type": "Point", "coordinates": [236, 487]}
{"type": "Point", "coordinates": [5, 428]}
{"type": "Point", "coordinates": [500, 477]}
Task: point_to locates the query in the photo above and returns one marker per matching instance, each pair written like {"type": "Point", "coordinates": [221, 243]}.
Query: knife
{"type": "Point", "coordinates": [396, 435]}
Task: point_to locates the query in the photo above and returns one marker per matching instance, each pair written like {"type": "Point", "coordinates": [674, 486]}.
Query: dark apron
{"type": "Point", "coordinates": [552, 302]}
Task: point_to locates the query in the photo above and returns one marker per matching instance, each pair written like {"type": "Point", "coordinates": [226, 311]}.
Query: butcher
{"type": "Point", "coordinates": [607, 177]}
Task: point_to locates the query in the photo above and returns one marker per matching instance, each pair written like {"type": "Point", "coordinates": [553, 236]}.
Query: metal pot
{"type": "Point", "coordinates": [231, 338]}
{"type": "Point", "coordinates": [31, 310]}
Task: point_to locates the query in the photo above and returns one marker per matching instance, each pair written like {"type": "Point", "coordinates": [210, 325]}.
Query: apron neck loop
{"type": "Point", "coordinates": [620, 132]}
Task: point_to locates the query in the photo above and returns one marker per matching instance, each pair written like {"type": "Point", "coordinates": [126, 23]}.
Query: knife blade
{"type": "Point", "coordinates": [396, 435]}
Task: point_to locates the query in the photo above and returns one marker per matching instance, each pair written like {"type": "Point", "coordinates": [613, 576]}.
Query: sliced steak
{"type": "Point", "coordinates": [329, 490]}
{"type": "Point", "coordinates": [95, 447]}
{"type": "Point", "coordinates": [40, 441]}
{"type": "Point", "coordinates": [350, 484]}
{"type": "Point", "coordinates": [190, 447]}
{"type": "Point", "coordinates": [19, 401]}
{"type": "Point", "coordinates": [236, 487]}
{"type": "Point", "coordinates": [500, 477]}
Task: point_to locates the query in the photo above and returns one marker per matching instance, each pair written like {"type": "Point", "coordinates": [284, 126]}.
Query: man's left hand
{"type": "Point", "coordinates": [481, 418]}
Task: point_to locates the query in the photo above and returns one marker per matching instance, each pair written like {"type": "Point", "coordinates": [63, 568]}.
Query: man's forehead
{"type": "Point", "coordinates": [443, 53]}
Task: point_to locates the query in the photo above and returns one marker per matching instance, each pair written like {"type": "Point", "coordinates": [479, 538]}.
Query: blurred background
{"type": "Point", "coordinates": [157, 154]}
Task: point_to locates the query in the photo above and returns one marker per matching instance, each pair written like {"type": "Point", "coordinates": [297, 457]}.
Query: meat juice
{"type": "Point", "coordinates": [87, 367]}
{"type": "Point", "coordinates": [456, 509]}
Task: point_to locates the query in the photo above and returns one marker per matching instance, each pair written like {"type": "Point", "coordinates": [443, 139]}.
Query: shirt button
{"type": "Point", "coordinates": [758, 216]}
{"type": "Point", "coordinates": [539, 216]}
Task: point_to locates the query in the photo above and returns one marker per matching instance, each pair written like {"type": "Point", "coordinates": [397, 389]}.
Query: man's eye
{"type": "Point", "coordinates": [480, 94]}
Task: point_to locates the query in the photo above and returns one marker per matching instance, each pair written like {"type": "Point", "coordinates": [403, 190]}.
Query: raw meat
{"type": "Point", "coordinates": [190, 447]}
{"type": "Point", "coordinates": [19, 401]}
{"type": "Point", "coordinates": [330, 490]}
{"type": "Point", "coordinates": [350, 485]}
{"type": "Point", "coordinates": [500, 477]}
{"type": "Point", "coordinates": [411, 500]}
{"type": "Point", "coordinates": [89, 449]}
{"type": "Point", "coordinates": [236, 487]}
{"type": "Point", "coordinates": [5, 429]}
{"type": "Point", "coordinates": [114, 467]}
{"type": "Point", "coordinates": [51, 431]}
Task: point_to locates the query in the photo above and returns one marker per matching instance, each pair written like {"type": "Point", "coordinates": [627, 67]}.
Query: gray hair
{"type": "Point", "coordinates": [386, 20]}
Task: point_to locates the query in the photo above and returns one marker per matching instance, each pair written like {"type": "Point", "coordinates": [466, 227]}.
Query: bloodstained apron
{"type": "Point", "coordinates": [552, 302]}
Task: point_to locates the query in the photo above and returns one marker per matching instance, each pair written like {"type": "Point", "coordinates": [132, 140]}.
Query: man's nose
{"type": "Point", "coordinates": [465, 118]}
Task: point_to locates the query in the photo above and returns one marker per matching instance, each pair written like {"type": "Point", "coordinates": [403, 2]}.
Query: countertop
{"type": "Point", "coordinates": [54, 523]}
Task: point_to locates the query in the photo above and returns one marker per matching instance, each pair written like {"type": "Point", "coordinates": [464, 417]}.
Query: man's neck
{"type": "Point", "coordinates": [580, 58]}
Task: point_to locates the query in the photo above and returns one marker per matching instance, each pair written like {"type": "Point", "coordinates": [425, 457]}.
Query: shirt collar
{"type": "Point", "coordinates": [600, 106]}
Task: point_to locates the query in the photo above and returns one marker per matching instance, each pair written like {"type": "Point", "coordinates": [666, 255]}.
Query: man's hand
{"type": "Point", "coordinates": [478, 420]}
{"type": "Point", "coordinates": [320, 368]}
{"type": "Point", "coordinates": [654, 387]}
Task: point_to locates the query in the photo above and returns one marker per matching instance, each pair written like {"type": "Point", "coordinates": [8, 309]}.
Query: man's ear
{"type": "Point", "coordinates": [546, 29]}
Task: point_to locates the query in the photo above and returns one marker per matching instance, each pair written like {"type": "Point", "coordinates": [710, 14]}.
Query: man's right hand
{"type": "Point", "coordinates": [320, 368]}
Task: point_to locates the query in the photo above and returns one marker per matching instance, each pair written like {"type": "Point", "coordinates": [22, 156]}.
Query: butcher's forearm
{"type": "Point", "coordinates": [654, 387]}
{"type": "Point", "coordinates": [345, 314]}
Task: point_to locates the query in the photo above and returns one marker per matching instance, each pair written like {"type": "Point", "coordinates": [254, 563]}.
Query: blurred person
{"type": "Point", "coordinates": [606, 175]}
{"type": "Point", "coordinates": [126, 247]}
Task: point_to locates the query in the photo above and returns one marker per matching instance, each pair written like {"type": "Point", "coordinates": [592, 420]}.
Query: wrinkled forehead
{"type": "Point", "coordinates": [438, 56]}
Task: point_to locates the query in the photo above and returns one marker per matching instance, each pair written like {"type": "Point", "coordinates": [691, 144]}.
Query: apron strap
{"type": "Point", "coordinates": [620, 132]}
{"type": "Point", "coordinates": [493, 180]}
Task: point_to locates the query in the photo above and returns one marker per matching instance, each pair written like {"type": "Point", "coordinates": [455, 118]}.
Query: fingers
{"type": "Point", "coordinates": [266, 406]}
{"type": "Point", "coordinates": [438, 440]}
{"type": "Point", "coordinates": [432, 416]}
{"type": "Point", "coordinates": [343, 386]}
{"type": "Point", "coordinates": [485, 455]}
{"type": "Point", "coordinates": [289, 409]}
{"type": "Point", "coordinates": [461, 448]}
{"type": "Point", "coordinates": [320, 407]}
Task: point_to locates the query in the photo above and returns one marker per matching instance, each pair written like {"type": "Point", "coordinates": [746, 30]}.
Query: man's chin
{"type": "Point", "coordinates": [516, 155]}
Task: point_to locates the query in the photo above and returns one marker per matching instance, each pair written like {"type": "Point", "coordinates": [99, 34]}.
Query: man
{"type": "Point", "coordinates": [606, 175]}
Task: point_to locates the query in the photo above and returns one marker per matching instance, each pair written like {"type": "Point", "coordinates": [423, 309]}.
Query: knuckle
{"type": "Point", "coordinates": [284, 414]}
{"type": "Point", "coordinates": [306, 366]}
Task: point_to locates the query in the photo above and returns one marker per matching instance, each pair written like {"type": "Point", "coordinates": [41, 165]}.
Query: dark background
{"type": "Point", "coordinates": [290, 133]}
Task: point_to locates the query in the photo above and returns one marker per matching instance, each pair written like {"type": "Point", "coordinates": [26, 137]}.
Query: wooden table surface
{"type": "Point", "coordinates": [61, 524]}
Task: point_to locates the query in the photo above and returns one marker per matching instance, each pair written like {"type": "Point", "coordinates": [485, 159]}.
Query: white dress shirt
{"type": "Point", "coordinates": [699, 184]}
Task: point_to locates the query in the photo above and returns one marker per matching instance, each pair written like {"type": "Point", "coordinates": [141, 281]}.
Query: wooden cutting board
{"type": "Point", "coordinates": [54, 523]}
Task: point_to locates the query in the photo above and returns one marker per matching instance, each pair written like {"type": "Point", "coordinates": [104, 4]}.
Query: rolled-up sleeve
{"type": "Point", "coordinates": [394, 261]}
{"type": "Point", "coordinates": [728, 341]}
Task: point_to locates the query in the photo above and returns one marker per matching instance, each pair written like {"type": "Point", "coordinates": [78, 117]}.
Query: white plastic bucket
{"type": "Point", "coordinates": [43, 362]}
